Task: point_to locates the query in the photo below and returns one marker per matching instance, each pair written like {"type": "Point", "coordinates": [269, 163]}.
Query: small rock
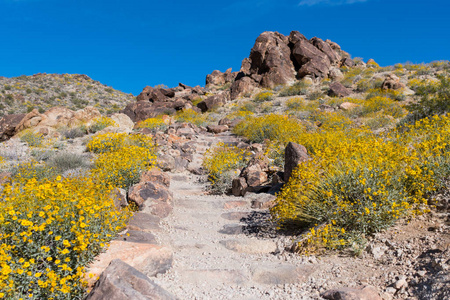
{"type": "Point", "coordinates": [347, 293]}
{"type": "Point", "coordinates": [400, 284]}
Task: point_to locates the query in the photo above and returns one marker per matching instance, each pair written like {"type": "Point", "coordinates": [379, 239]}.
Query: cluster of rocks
{"type": "Point", "coordinates": [152, 102]}
{"type": "Point", "coordinates": [46, 123]}
{"type": "Point", "coordinates": [255, 176]}
{"type": "Point", "coordinates": [136, 255]}
{"type": "Point", "coordinates": [276, 59]}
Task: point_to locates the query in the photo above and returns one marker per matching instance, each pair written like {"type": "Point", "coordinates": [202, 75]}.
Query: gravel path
{"type": "Point", "coordinates": [213, 257]}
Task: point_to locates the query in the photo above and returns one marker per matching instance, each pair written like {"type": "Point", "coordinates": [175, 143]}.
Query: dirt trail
{"type": "Point", "coordinates": [213, 257]}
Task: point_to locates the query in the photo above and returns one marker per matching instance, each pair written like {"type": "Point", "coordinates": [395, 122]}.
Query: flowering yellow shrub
{"type": "Point", "coordinates": [106, 142]}
{"type": "Point", "coordinates": [191, 116]}
{"type": "Point", "coordinates": [122, 157]}
{"type": "Point", "coordinates": [239, 114]}
{"type": "Point", "coordinates": [101, 123]}
{"type": "Point", "coordinates": [271, 127]}
{"type": "Point", "coordinates": [221, 162]}
{"type": "Point", "coordinates": [264, 96]}
{"type": "Point", "coordinates": [361, 182]}
{"type": "Point", "coordinates": [50, 230]}
{"type": "Point", "coordinates": [152, 123]}
{"type": "Point", "coordinates": [123, 167]}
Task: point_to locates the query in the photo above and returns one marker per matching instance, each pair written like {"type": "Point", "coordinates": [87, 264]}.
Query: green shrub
{"type": "Point", "coordinates": [64, 161]}
{"type": "Point", "coordinates": [272, 127]}
{"type": "Point", "coordinates": [298, 88]}
{"type": "Point", "coordinates": [435, 99]}
{"type": "Point", "coordinates": [264, 96]}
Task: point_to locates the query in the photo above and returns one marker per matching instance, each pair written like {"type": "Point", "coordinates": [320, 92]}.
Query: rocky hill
{"type": "Point", "coordinates": [303, 175]}
{"type": "Point", "coordinates": [42, 91]}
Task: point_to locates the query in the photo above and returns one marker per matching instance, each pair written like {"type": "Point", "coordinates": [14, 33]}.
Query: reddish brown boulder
{"type": "Point", "coordinates": [277, 60]}
{"type": "Point", "coordinates": [142, 110]}
{"type": "Point", "coordinates": [271, 58]}
{"type": "Point", "coordinates": [347, 293]}
{"type": "Point", "coordinates": [214, 101]}
{"type": "Point", "coordinates": [254, 175]}
{"type": "Point", "coordinates": [239, 187]}
{"type": "Point", "coordinates": [338, 90]}
{"type": "Point", "coordinates": [218, 79]}
{"type": "Point", "coordinates": [155, 94]}
{"type": "Point", "coordinates": [294, 154]}
{"type": "Point", "coordinates": [243, 87]}
{"type": "Point", "coordinates": [152, 197]}
{"type": "Point", "coordinates": [326, 48]}
{"type": "Point", "coordinates": [155, 175]}
{"type": "Point", "coordinates": [347, 62]}
{"type": "Point", "coordinates": [8, 125]}
{"type": "Point", "coordinates": [217, 128]}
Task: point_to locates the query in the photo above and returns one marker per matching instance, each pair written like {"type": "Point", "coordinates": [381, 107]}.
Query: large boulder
{"type": "Point", "coordinates": [214, 101]}
{"type": "Point", "coordinates": [338, 90]}
{"type": "Point", "coordinates": [270, 57]}
{"type": "Point", "coordinates": [276, 59]}
{"type": "Point", "coordinates": [142, 110]}
{"type": "Point", "coordinates": [155, 94]}
{"type": "Point", "coordinates": [8, 125]}
{"type": "Point", "coordinates": [294, 155]}
{"type": "Point", "coordinates": [152, 197]}
{"type": "Point", "coordinates": [121, 281]}
{"type": "Point", "coordinates": [218, 79]}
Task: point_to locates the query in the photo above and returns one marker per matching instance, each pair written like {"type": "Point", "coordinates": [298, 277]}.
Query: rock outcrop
{"type": "Point", "coordinates": [46, 123]}
{"type": "Point", "coordinates": [217, 79]}
{"type": "Point", "coordinates": [276, 59]}
{"type": "Point", "coordinates": [152, 102]}
{"type": "Point", "coordinates": [8, 125]}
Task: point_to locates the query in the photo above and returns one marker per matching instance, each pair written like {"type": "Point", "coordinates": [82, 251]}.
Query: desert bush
{"type": "Point", "coordinates": [155, 124]}
{"type": "Point", "coordinates": [42, 154]}
{"type": "Point", "coordinates": [64, 161]}
{"type": "Point", "coordinates": [101, 123]}
{"type": "Point", "coordinates": [264, 96]}
{"type": "Point", "coordinates": [223, 163]}
{"type": "Point", "coordinates": [298, 88]}
{"type": "Point", "coordinates": [50, 230]}
{"type": "Point", "coordinates": [122, 158]}
{"type": "Point", "coordinates": [33, 139]}
{"type": "Point", "coordinates": [32, 170]}
{"type": "Point", "coordinates": [316, 94]}
{"type": "Point", "coordinates": [72, 133]}
{"type": "Point", "coordinates": [378, 121]}
{"type": "Point", "coordinates": [392, 94]}
{"type": "Point", "coordinates": [358, 183]}
{"type": "Point", "coordinates": [435, 99]}
{"type": "Point", "coordinates": [378, 104]}
{"type": "Point", "coordinates": [271, 127]}
{"type": "Point", "coordinates": [191, 116]}
{"type": "Point", "coordinates": [106, 142]}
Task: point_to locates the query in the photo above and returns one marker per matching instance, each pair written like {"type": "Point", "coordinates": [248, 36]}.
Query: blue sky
{"type": "Point", "coordinates": [129, 44]}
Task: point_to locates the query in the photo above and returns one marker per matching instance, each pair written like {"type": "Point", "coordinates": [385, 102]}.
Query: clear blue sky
{"type": "Point", "coordinates": [129, 44]}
